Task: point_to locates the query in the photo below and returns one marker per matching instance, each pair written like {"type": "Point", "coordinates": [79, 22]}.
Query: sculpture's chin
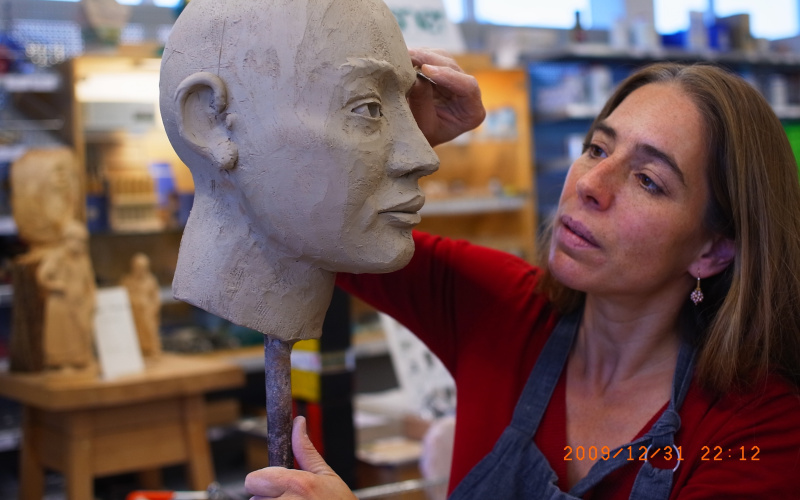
{"type": "Point", "coordinates": [400, 262]}
{"type": "Point", "coordinates": [377, 260]}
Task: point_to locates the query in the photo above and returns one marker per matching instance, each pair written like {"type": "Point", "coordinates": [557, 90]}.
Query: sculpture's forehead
{"type": "Point", "coordinates": [279, 37]}
{"type": "Point", "coordinates": [324, 28]}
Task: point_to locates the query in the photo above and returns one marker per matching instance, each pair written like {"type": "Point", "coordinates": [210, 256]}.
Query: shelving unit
{"type": "Point", "coordinates": [31, 82]}
{"type": "Point", "coordinates": [25, 113]}
{"type": "Point", "coordinates": [574, 74]}
{"type": "Point", "coordinates": [484, 190]}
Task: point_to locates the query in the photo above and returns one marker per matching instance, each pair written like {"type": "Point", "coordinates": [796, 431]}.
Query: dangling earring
{"type": "Point", "coordinates": [697, 294]}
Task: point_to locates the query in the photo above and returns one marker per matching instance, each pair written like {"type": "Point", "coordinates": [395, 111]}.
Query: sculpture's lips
{"type": "Point", "coordinates": [411, 206]}
{"type": "Point", "coordinates": [405, 213]}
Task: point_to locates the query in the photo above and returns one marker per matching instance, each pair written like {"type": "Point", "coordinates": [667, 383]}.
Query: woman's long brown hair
{"type": "Point", "coordinates": [749, 324]}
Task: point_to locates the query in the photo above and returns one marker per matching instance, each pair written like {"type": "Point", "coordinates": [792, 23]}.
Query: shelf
{"type": "Point", "coordinates": [572, 111]}
{"type": "Point", "coordinates": [8, 227]}
{"type": "Point", "coordinates": [9, 439]}
{"type": "Point", "coordinates": [602, 52]}
{"type": "Point", "coordinates": [6, 294]}
{"type": "Point", "coordinates": [473, 205]}
{"type": "Point", "coordinates": [34, 82]}
{"type": "Point", "coordinates": [581, 111]}
{"type": "Point", "coordinates": [790, 112]}
{"type": "Point", "coordinates": [23, 125]}
{"type": "Point", "coordinates": [11, 153]}
{"type": "Point", "coordinates": [165, 294]}
{"type": "Point", "coordinates": [250, 360]}
{"type": "Point", "coordinates": [371, 349]}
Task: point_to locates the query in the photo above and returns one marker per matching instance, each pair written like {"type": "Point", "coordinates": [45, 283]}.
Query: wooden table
{"type": "Point", "coordinates": [85, 427]}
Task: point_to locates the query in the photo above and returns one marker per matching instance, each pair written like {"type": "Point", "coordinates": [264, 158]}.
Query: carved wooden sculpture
{"type": "Point", "coordinates": [45, 197]}
{"type": "Point", "coordinates": [145, 297]}
{"type": "Point", "coordinates": [66, 276]}
{"type": "Point", "coordinates": [293, 119]}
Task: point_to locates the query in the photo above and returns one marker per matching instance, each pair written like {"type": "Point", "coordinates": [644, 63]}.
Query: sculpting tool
{"type": "Point", "coordinates": [422, 75]}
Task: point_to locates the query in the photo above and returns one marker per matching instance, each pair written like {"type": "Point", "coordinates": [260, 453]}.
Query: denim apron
{"type": "Point", "coordinates": [516, 469]}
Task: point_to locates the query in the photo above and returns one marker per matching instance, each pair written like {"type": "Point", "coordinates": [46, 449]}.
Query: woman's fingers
{"type": "Point", "coordinates": [434, 57]}
{"type": "Point", "coordinates": [317, 481]}
{"type": "Point", "coordinates": [449, 107]}
{"type": "Point", "coordinates": [308, 458]}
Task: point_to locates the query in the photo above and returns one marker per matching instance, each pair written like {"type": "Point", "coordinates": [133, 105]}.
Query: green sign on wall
{"type": "Point", "coordinates": [793, 133]}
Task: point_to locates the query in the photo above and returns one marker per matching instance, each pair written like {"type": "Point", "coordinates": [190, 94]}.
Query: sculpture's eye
{"type": "Point", "coordinates": [368, 110]}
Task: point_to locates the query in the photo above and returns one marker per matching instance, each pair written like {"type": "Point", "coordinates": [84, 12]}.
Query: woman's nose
{"type": "Point", "coordinates": [597, 185]}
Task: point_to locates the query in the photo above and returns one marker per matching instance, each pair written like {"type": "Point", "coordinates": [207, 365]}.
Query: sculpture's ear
{"type": "Point", "coordinates": [203, 122]}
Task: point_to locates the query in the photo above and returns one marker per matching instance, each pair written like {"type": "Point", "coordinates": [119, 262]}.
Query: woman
{"type": "Point", "coordinates": [657, 353]}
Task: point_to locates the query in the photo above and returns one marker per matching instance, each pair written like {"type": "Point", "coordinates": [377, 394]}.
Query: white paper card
{"type": "Point", "coordinates": [422, 376]}
{"type": "Point", "coordinates": [424, 23]}
{"type": "Point", "coordinates": [115, 334]}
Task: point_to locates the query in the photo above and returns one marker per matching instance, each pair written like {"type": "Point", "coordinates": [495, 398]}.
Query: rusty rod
{"type": "Point", "coordinates": [277, 378]}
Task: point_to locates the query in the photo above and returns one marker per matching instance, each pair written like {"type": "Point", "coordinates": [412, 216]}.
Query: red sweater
{"type": "Point", "coordinates": [477, 309]}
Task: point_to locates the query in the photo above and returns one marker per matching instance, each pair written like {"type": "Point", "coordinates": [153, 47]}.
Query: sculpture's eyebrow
{"type": "Point", "coordinates": [363, 66]}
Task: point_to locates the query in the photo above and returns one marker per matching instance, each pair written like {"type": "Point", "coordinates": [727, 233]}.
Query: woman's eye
{"type": "Point", "coordinates": [648, 184]}
{"type": "Point", "coordinates": [595, 151]}
{"type": "Point", "coordinates": [368, 110]}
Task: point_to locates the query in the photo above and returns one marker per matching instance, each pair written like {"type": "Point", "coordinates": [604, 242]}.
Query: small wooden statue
{"type": "Point", "coordinates": [66, 278]}
{"type": "Point", "coordinates": [45, 198]}
{"type": "Point", "coordinates": [143, 291]}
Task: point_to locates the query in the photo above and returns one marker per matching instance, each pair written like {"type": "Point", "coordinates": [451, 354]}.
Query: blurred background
{"type": "Point", "coordinates": [84, 74]}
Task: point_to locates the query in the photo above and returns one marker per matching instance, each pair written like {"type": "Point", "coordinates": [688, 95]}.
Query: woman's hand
{"type": "Point", "coordinates": [316, 481]}
{"type": "Point", "coordinates": [452, 106]}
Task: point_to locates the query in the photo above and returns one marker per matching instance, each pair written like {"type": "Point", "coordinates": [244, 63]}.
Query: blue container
{"type": "Point", "coordinates": [678, 39]}
{"type": "Point", "coordinates": [164, 182]}
{"type": "Point", "coordinates": [97, 213]}
{"type": "Point", "coordinates": [185, 202]}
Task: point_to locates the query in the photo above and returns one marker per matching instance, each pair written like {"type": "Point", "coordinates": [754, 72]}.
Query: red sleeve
{"type": "Point", "coordinates": [742, 447]}
{"type": "Point", "coordinates": [448, 290]}
{"type": "Point", "coordinates": [478, 310]}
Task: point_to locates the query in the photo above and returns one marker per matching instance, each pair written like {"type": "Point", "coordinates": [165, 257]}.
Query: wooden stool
{"type": "Point", "coordinates": [85, 427]}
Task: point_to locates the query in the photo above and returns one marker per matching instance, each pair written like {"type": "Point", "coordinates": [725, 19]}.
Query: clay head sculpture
{"type": "Point", "coordinates": [67, 278]}
{"type": "Point", "coordinates": [292, 117]}
{"type": "Point", "coordinates": [293, 120]}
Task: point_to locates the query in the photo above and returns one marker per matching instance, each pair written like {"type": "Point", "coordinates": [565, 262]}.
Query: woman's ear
{"type": "Point", "coordinates": [716, 256]}
{"type": "Point", "coordinates": [203, 122]}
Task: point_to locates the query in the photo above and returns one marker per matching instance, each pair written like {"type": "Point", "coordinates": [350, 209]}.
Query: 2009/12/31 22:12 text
{"type": "Point", "coordinates": [710, 453]}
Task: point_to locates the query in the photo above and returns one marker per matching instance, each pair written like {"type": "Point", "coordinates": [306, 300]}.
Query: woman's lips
{"type": "Point", "coordinates": [579, 230]}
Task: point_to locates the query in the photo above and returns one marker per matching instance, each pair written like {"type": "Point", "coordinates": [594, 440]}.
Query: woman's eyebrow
{"type": "Point", "coordinates": [662, 157]}
{"type": "Point", "coordinates": [606, 129]}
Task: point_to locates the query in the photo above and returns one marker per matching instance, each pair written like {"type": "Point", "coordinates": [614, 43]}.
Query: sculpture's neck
{"type": "Point", "coordinates": [228, 271]}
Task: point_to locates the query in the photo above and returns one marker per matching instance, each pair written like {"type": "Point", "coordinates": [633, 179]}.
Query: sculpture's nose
{"type": "Point", "coordinates": [411, 153]}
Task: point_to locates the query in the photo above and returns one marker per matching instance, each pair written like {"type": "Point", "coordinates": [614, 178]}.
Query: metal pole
{"type": "Point", "coordinates": [277, 378]}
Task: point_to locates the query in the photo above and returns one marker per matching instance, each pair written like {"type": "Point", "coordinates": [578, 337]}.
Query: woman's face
{"type": "Point", "coordinates": [630, 217]}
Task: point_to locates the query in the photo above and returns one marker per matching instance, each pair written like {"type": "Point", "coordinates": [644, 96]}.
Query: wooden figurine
{"type": "Point", "coordinates": [45, 197]}
{"type": "Point", "coordinates": [293, 119]}
{"type": "Point", "coordinates": [145, 297]}
{"type": "Point", "coordinates": [66, 277]}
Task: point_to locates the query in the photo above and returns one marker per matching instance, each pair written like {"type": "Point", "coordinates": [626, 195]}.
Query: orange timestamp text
{"type": "Point", "coordinates": [668, 453]}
